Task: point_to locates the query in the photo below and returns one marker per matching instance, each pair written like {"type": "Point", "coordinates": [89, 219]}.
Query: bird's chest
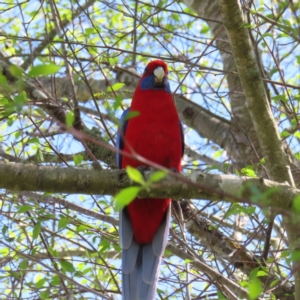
{"type": "Point", "coordinates": [155, 135]}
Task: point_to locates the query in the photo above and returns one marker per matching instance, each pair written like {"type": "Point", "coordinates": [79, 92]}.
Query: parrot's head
{"type": "Point", "coordinates": [155, 76]}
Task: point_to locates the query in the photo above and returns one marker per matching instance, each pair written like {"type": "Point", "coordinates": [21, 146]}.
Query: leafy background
{"type": "Point", "coordinates": [76, 63]}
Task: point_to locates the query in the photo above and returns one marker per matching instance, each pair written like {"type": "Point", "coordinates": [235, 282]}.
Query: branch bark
{"type": "Point", "coordinates": [277, 161]}
{"type": "Point", "coordinates": [196, 185]}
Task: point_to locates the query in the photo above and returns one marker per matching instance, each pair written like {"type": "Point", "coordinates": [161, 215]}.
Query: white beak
{"type": "Point", "coordinates": [159, 74]}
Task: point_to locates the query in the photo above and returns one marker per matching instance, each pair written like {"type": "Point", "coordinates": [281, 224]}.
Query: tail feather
{"type": "Point", "coordinates": [160, 240]}
{"type": "Point", "coordinates": [140, 263]}
{"type": "Point", "coordinates": [129, 258]}
{"type": "Point", "coordinates": [151, 264]}
{"type": "Point", "coordinates": [125, 228]}
{"type": "Point", "coordinates": [130, 285]}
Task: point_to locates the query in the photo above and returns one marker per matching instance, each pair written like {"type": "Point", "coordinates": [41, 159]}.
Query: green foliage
{"type": "Point", "coordinates": [40, 283]}
{"type": "Point", "coordinates": [115, 87]}
{"type": "Point", "coordinates": [67, 266]}
{"type": "Point", "coordinates": [55, 280]}
{"type": "Point", "coordinates": [127, 195]}
{"type": "Point", "coordinates": [39, 155]}
{"type": "Point", "coordinates": [221, 296]}
{"type": "Point", "coordinates": [237, 209]}
{"type": "Point", "coordinates": [135, 175]}
{"type": "Point", "coordinates": [43, 70]}
{"type": "Point", "coordinates": [131, 114]}
{"type": "Point", "coordinates": [254, 288]}
{"type": "Point", "coordinates": [296, 203]}
{"type": "Point", "coordinates": [24, 208]}
{"type": "Point", "coordinates": [70, 118]}
{"type": "Point", "coordinates": [36, 230]}
{"type": "Point", "coordinates": [106, 43]}
{"type": "Point", "coordinates": [23, 264]}
{"type": "Point", "coordinates": [157, 176]}
{"type": "Point", "coordinates": [78, 159]}
{"type": "Point", "coordinates": [63, 222]}
{"type": "Point", "coordinates": [249, 171]}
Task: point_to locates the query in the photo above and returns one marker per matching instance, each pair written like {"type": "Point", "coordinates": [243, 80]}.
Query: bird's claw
{"type": "Point", "coordinates": [142, 168]}
{"type": "Point", "coordinates": [174, 170]}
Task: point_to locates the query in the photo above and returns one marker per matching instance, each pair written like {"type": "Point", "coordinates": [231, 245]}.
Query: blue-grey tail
{"type": "Point", "coordinates": [140, 263]}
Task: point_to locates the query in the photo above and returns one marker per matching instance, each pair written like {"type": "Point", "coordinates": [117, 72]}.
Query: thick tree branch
{"type": "Point", "coordinates": [257, 102]}
{"type": "Point", "coordinates": [244, 132]}
{"type": "Point", "coordinates": [272, 149]}
{"type": "Point", "coordinates": [196, 185]}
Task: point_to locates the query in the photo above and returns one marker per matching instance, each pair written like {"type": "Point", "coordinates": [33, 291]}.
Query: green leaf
{"type": "Point", "coordinates": [157, 176]}
{"type": "Point", "coordinates": [23, 264]}
{"type": "Point", "coordinates": [131, 114]}
{"type": "Point", "coordinates": [295, 255]}
{"type": "Point", "coordinates": [118, 102]}
{"type": "Point", "coordinates": [115, 86]}
{"type": "Point", "coordinates": [112, 61]}
{"type": "Point", "coordinates": [52, 251]}
{"type": "Point", "coordinates": [43, 70]}
{"type": "Point", "coordinates": [16, 275]}
{"type": "Point", "coordinates": [104, 245]}
{"type": "Point", "coordinates": [34, 140]}
{"type": "Point", "coordinates": [267, 34]}
{"type": "Point", "coordinates": [55, 280]}
{"type": "Point", "coordinates": [24, 209]}
{"type": "Point", "coordinates": [284, 134]}
{"type": "Point", "coordinates": [283, 98]}
{"type": "Point", "coordinates": [135, 175]}
{"type": "Point", "coordinates": [273, 71]}
{"type": "Point", "coordinates": [82, 227]}
{"type": "Point", "coordinates": [39, 155]}
{"type": "Point", "coordinates": [125, 196]}
{"type": "Point", "coordinates": [296, 203]}
{"type": "Point", "coordinates": [78, 159]}
{"type": "Point", "coordinates": [44, 295]}
{"type": "Point", "coordinates": [204, 29]}
{"type": "Point", "coordinates": [63, 222]}
{"type": "Point", "coordinates": [3, 80]}
{"type": "Point", "coordinates": [40, 283]}
{"type": "Point", "coordinates": [4, 229]}
{"type": "Point", "coordinates": [175, 17]}
{"type": "Point", "coordinates": [255, 288]}
{"type": "Point", "coordinates": [15, 71]}
{"type": "Point", "coordinates": [67, 266]}
{"type": "Point", "coordinates": [274, 282]}
{"type": "Point", "coordinates": [248, 172]}
{"type": "Point", "coordinates": [262, 273]}
{"type": "Point", "coordinates": [70, 118]}
{"type": "Point", "coordinates": [36, 230]}
{"type": "Point", "coordinates": [4, 101]}
{"type": "Point", "coordinates": [221, 296]}
{"type": "Point", "coordinates": [89, 31]}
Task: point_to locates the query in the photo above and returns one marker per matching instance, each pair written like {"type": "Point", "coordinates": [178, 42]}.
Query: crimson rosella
{"type": "Point", "coordinates": [156, 134]}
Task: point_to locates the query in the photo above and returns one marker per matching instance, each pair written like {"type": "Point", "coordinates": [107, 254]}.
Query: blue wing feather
{"type": "Point", "coordinates": [120, 134]}
{"type": "Point", "coordinates": [182, 137]}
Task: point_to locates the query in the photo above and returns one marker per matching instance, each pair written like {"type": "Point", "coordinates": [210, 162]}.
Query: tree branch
{"type": "Point", "coordinates": [196, 185]}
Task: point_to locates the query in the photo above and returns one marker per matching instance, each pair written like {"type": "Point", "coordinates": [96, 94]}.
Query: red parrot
{"type": "Point", "coordinates": [157, 135]}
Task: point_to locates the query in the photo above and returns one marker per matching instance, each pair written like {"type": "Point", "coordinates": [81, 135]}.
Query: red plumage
{"type": "Point", "coordinates": [154, 134]}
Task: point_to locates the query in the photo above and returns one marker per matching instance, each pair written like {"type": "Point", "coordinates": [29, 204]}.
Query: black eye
{"type": "Point", "coordinates": [146, 70]}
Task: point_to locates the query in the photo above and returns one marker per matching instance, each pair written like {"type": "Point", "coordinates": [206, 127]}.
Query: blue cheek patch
{"type": "Point", "coordinates": [148, 83]}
